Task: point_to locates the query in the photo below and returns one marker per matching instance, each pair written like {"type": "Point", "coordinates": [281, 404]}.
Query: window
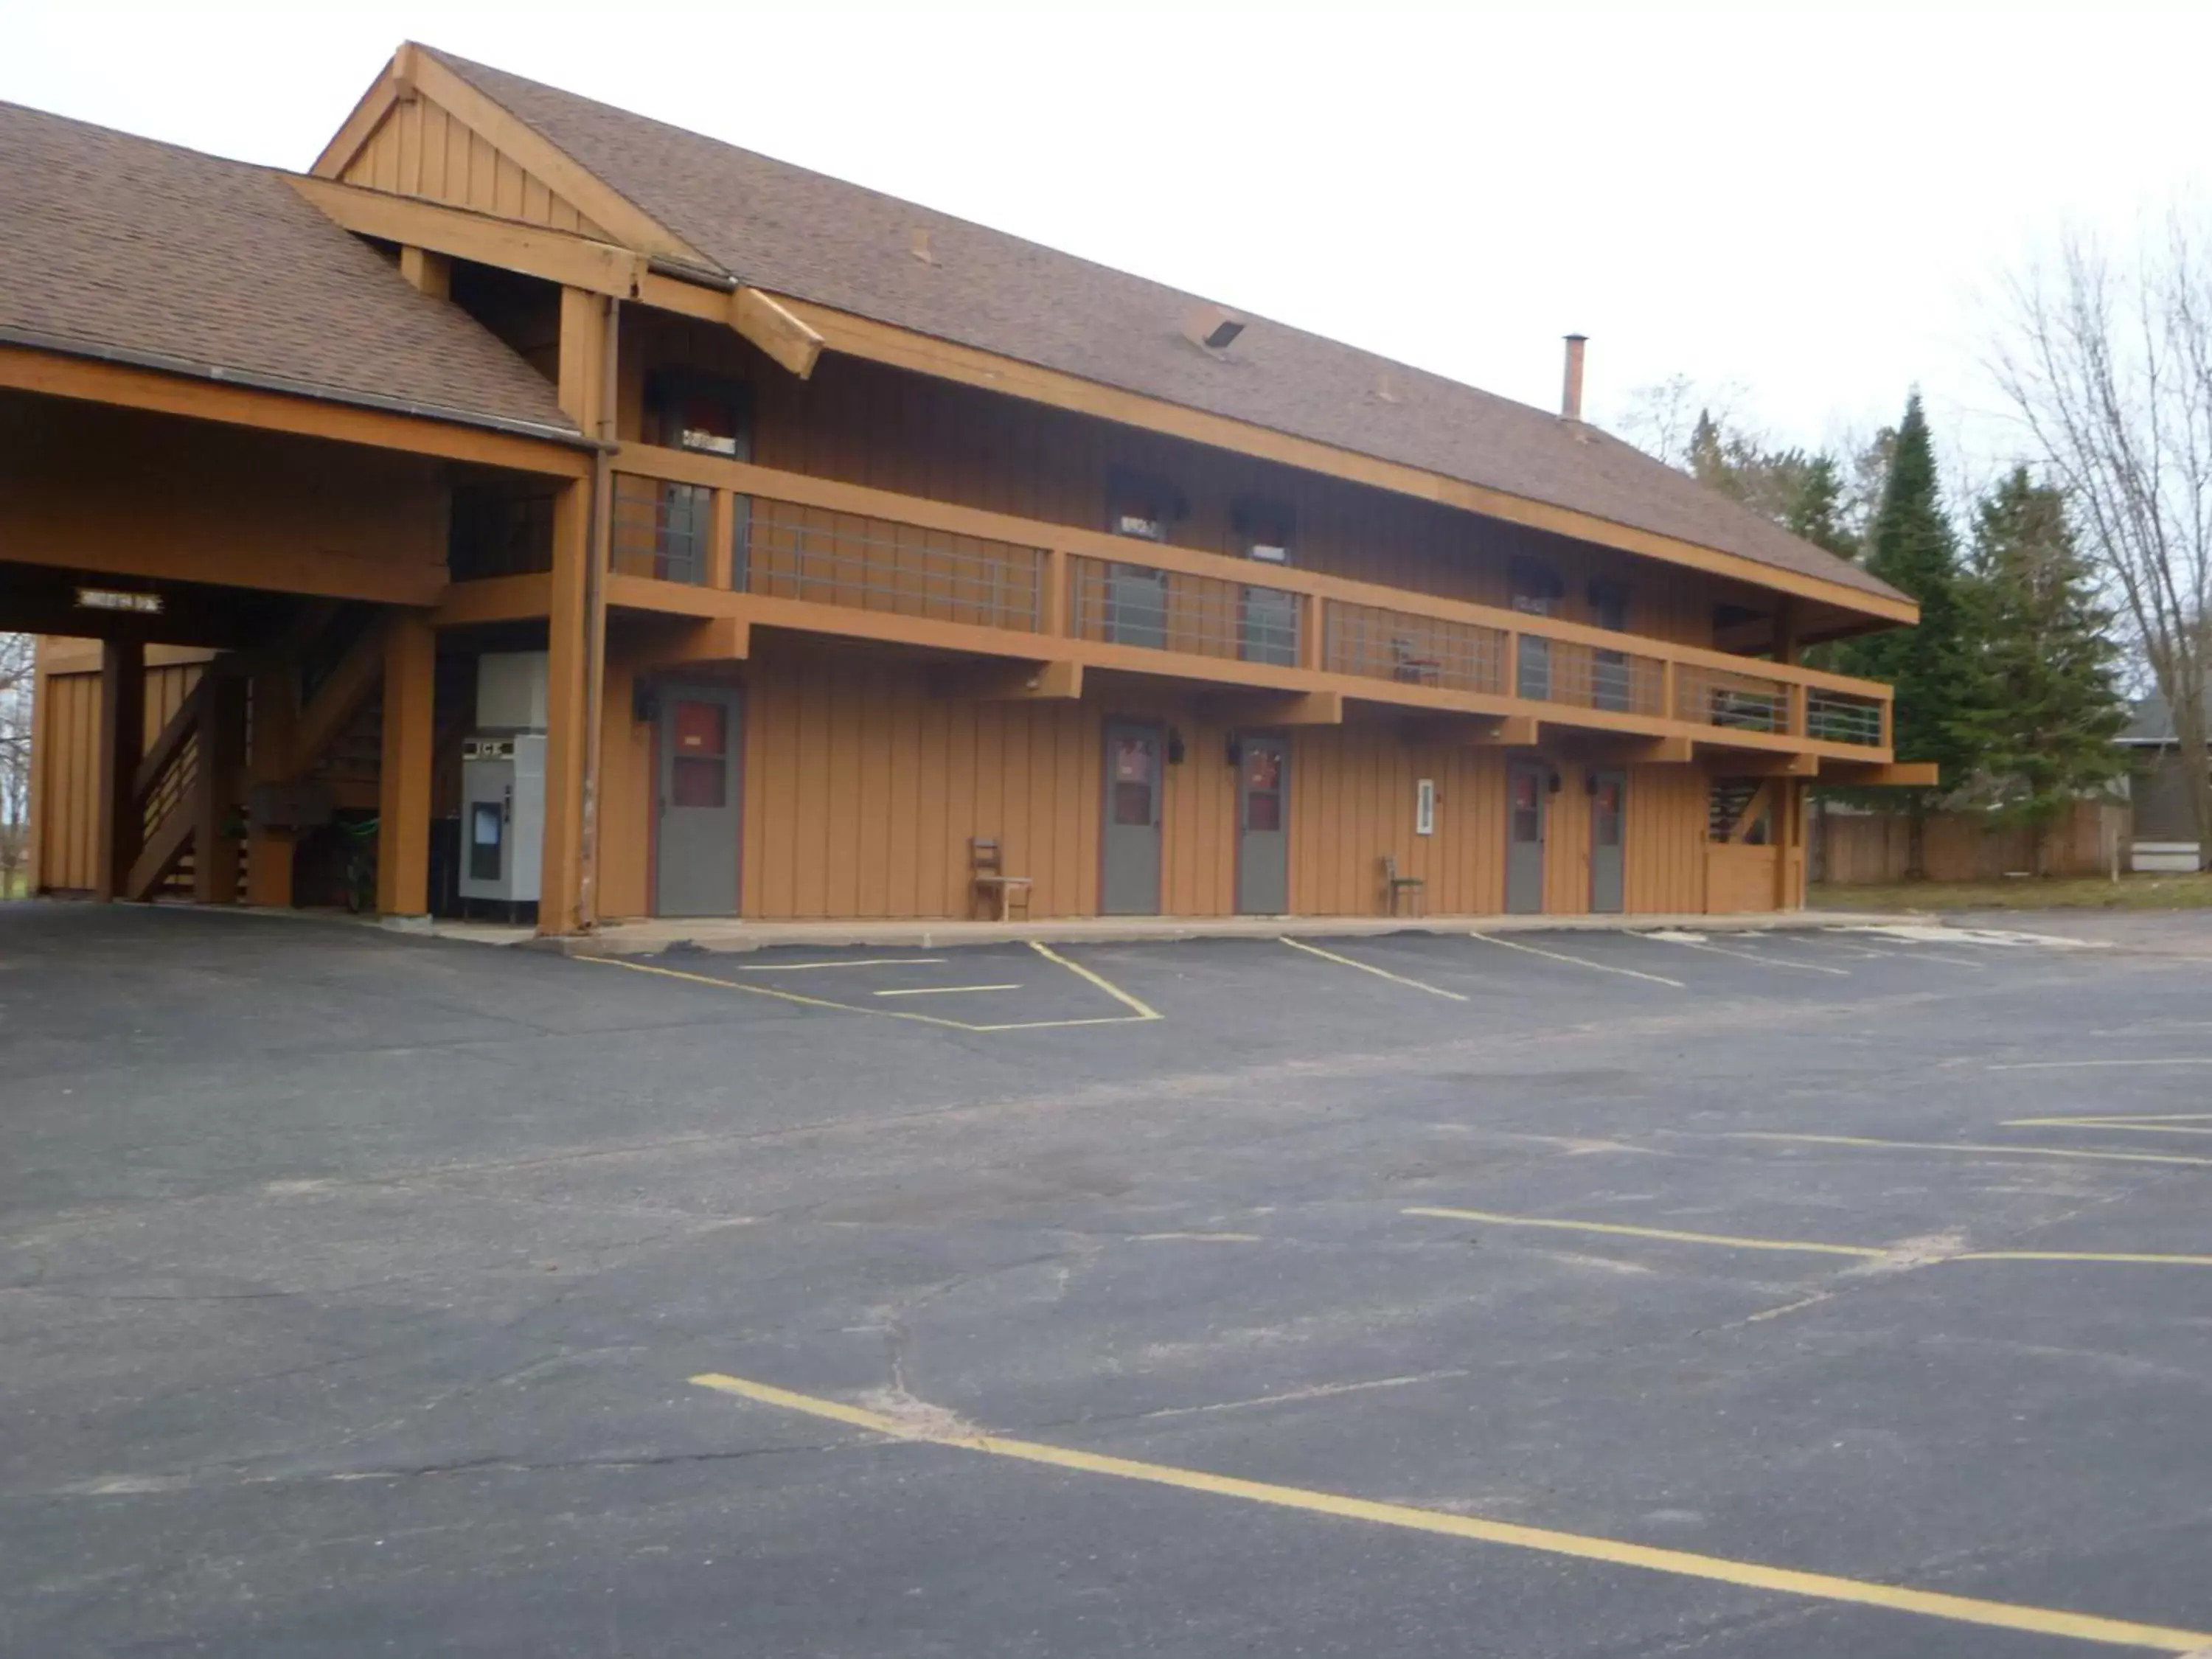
{"type": "Point", "coordinates": [1611, 682]}
{"type": "Point", "coordinates": [708, 414]}
{"type": "Point", "coordinates": [1267, 617]}
{"type": "Point", "coordinates": [1139, 506]}
{"type": "Point", "coordinates": [1537, 590]}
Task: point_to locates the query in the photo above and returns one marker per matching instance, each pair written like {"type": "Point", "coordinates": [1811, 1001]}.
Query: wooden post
{"type": "Point", "coordinates": [575, 631]}
{"type": "Point", "coordinates": [1052, 602]}
{"type": "Point", "coordinates": [35, 851]}
{"type": "Point", "coordinates": [1669, 708]}
{"type": "Point", "coordinates": [276, 718]}
{"type": "Point", "coordinates": [722, 542]}
{"type": "Point", "coordinates": [1313, 635]}
{"type": "Point", "coordinates": [221, 740]}
{"type": "Point", "coordinates": [433, 273]}
{"type": "Point", "coordinates": [122, 742]}
{"type": "Point", "coordinates": [1796, 726]}
{"type": "Point", "coordinates": [403, 832]}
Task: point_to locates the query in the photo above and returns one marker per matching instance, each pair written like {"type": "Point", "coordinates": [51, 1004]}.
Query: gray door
{"type": "Point", "coordinates": [1129, 843]}
{"type": "Point", "coordinates": [1608, 840]}
{"type": "Point", "coordinates": [695, 849]}
{"type": "Point", "coordinates": [1263, 835]}
{"type": "Point", "coordinates": [1526, 805]}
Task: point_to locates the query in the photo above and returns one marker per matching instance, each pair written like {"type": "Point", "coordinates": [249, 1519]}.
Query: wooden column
{"type": "Point", "coordinates": [403, 832]}
{"type": "Point", "coordinates": [122, 742]}
{"type": "Point", "coordinates": [222, 740]}
{"type": "Point", "coordinates": [275, 720]}
{"type": "Point", "coordinates": [575, 632]}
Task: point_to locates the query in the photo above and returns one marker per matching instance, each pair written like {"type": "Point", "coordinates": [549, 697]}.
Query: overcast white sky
{"type": "Point", "coordinates": [1811, 207]}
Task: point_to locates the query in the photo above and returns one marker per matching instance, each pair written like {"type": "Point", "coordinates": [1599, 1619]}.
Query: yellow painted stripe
{"type": "Point", "coordinates": [1579, 962]}
{"type": "Point", "coordinates": [1369, 968]}
{"type": "Point", "coordinates": [1749, 956]}
{"type": "Point", "coordinates": [1964, 1147]}
{"type": "Point", "coordinates": [1144, 1011]}
{"type": "Point", "coordinates": [847, 961]}
{"type": "Point", "coordinates": [943, 990]}
{"type": "Point", "coordinates": [765, 991]}
{"type": "Point", "coordinates": [1748, 1575]}
{"type": "Point", "coordinates": [1733, 1241]}
{"type": "Point", "coordinates": [2122, 1117]}
{"type": "Point", "coordinates": [2099, 1065]}
{"type": "Point", "coordinates": [2143, 1127]}
{"type": "Point", "coordinates": [2126, 1256]}
{"type": "Point", "coordinates": [1056, 1024]}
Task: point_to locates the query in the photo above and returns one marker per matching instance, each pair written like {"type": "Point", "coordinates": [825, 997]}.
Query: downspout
{"type": "Point", "coordinates": [595, 615]}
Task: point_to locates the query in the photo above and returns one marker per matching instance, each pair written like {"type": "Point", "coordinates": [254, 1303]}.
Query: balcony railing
{"type": "Point", "coordinates": [787, 537]}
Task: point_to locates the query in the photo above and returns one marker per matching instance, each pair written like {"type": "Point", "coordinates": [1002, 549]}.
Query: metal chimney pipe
{"type": "Point", "coordinates": [1570, 394]}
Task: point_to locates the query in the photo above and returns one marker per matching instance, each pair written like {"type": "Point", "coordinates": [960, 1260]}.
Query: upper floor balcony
{"type": "Point", "coordinates": [703, 536]}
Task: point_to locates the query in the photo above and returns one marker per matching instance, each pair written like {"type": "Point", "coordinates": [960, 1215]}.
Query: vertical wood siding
{"type": "Point", "coordinates": [69, 766]}
{"type": "Point", "coordinates": [418, 149]}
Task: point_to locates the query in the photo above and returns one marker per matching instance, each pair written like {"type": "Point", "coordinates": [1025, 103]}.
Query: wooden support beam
{"type": "Point", "coordinates": [713, 640]}
{"type": "Point", "coordinates": [402, 835]}
{"type": "Point", "coordinates": [171, 839]}
{"type": "Point", "coordinates": [494, 600]}
{"type": "Point", "coordinates": [53, 375]}
{"type": "Point", "coordinates": [275, 712]}
{"type": "Point", "coordinates": [122, 740]}
{"type": "Point", "coordinates": [782, 337]}
{"type": "Point", "coordinates": [1473, 730]}
{"type": "Point", "coordinates": [1006, 682]}
{"type": "Point", "coordinates": [1260, 710]}
{"type": "Point", "coordinates": [429, 273]}
{"type": "Point", "coordinates": [1739, 764]}
{"type": "Point", "coordinates": [182, 726]}
{"type": "Point", "coordinates": [1882, 774]}
{"type": "Point", "coordinates": [222, 730]}
{"type": "Point", "coordinates": [431, 227]}
{"type": "Point", "coordinates": [1605, 749]}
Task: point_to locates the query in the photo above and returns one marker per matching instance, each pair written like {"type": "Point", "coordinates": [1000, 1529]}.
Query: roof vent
{"type": "Point", "coordinates": [1571, 392]}
{"type": "Point", "coordinates": [1213, 327]}
{"type": "Point", "coordinates": [920, 244]}
{"type": "Point", "coordinates": [1386, 389]}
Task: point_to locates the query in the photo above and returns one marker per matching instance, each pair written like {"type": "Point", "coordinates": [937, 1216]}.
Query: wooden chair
{"type": "Point", "coordinates": [987, 869]}
{"type": "Point", "coordinates": [1414, 887]}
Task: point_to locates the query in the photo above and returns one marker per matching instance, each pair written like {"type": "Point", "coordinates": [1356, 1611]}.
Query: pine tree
{"type": "Point", "coordinates": [2041, 702]}
{"type": "Point", "coordinates": [1911, 546]}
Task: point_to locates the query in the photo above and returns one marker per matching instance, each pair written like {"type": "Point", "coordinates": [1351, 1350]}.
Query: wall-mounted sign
{"type": "Point", "coordinates": [1424, 807]}
{"type": "Point", "coordinates": [108, 599]}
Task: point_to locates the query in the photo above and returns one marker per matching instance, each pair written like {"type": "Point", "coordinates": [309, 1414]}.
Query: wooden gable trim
{"type": "Point", "coordinates": [413, 72]}
{"type": "Point", "coordinates": [884, 342]}
{"type": "Point", "coordinates": [556, 256]}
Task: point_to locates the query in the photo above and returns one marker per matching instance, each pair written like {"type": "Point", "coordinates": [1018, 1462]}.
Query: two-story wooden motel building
{"type": "Point", "coordinates": [823, 538]}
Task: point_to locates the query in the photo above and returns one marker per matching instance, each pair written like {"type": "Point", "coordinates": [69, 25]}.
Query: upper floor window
{"type": "Point", "coordinates": [1608, 603]}
{"type": "Point", "coordinates": [1141, 504]}
{"type": "Point", "coordinates": [1265, 530]}
{"type": "Point", "coordinates": [1537, 589]}
{"type": "Point", "coordinates": [705, 413]}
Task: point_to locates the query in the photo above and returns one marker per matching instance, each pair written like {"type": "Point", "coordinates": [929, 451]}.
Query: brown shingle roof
{"type": "Point", "coordinates": [784, 228]}
{"type": "Point", "coordinates": [121, 247]}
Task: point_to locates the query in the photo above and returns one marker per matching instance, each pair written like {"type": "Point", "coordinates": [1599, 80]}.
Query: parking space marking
{"type": "Point", "coordinates": [1738, 1241]}
{"type": "Point", "coordinates": [1963, 1147]}
{"type": "Point", "coordinates": [1369, 968]}
{"type": "Point", "coordinates": [1579, 962]}
{"type": "Point", "coordinates": [844, 962]}
{"type": "Point", "coordinates": [1688, 944]}
{"type": "Point", "coordinates": [943, 990]}
{"type": "Point", "coordinates": [929, 1426]}
{"type": "Point", "coordinates": [1142, 1011]}
{"type": "Point", "coordinates": [2181, 1123]}
{"type": "Point", "coordinates": [1622, 1230]}
{"type": "Point", "coordinates": [2097, 1064]}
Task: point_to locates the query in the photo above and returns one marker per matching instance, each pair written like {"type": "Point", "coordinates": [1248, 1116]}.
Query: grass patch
{"type": "Point", "coordinates": [2130, 892]}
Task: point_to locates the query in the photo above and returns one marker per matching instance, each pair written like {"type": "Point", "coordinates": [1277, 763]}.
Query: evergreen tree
{"type": "Point", "coordinates": [1912, 547]}
{"type": "Point", "coordinates": [1816, 510]}
{"type": "Point", "coordinates": [2041, 700]}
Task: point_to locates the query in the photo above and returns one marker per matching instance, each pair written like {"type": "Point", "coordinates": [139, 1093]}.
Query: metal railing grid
{"type": "Point", "coordinates": [660, 529]}
{"type": "Point", "coordinates": [790, 551]}
{"type": "Point", "coordinates": [1411, 650]}
{"type": "Point", "coordinates": [1738, 702]}
{"type": "Point", "coordinates": [1123, 604]}
{"type": "Point", "coordinates": [1842, 717]}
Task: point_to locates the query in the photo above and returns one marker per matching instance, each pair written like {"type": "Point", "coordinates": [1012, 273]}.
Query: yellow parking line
{"type": "Point", "coordinates": [2097, 1065]}
{"type": "Point", "coordinates": [1735, 1241]}
{"type": "Point", "coordinates": [1579, 962]}
{"type": "Point", "coordinates": [1685, 1563]}
{"type": "Point", "coordinates": [1732, 1240]}
{"type": "Point", "coordinates": [1144, 1011]}
{"type": "Point", "coordinates": [2132, 1256]}
{"type": "Point", "coordinates": [1963, 1147]}
{"type": "Point", "coordinates": [943, 990]}
{"type": "Point", "coordinates": [2139, 1126]}
{"type": "Point", "coordinates": [848, 962]}
{"type": "Point", "coordinates": [1369, 968]}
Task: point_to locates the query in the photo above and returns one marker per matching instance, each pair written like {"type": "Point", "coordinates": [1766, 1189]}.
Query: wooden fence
{"type": "Point", "coordinates": [1870, 849]}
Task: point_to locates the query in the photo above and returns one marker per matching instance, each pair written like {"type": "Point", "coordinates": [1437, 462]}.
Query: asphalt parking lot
{"type": "Point", "coordinates": [1835, 1293]}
